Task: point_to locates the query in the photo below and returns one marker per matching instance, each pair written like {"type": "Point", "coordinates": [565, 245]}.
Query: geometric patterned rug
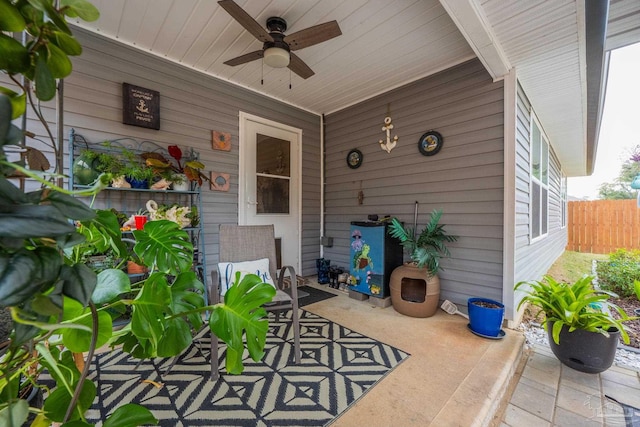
{"type": "Point", "coordinates": [338, 366]}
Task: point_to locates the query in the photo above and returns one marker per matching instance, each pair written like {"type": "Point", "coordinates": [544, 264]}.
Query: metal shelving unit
{"type": "Point", "coordinates": [131, 200]}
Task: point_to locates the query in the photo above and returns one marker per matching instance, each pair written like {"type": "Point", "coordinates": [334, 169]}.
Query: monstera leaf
{"type": "Point", "coordinates": [102, 234]}
{"type": "Point", "coordinates": [163, 246]}
{"type": "Point", "coordinates": [164, 315]}
{"type": "Point", "coordinates": [148, 317]}
{"type": "Point", "coordinates": [187, 295]}
{"type": "Point", "coordinates": [242, 311]}
{"type": "Point", "coordinates": [130, 415]}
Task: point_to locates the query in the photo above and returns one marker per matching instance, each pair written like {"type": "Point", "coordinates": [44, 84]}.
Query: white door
{"type": "Point", "coordinates": [269, 181]}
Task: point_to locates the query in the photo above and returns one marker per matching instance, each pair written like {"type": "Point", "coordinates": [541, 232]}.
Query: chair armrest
{"type": "Point", "coordinates": [214, 288]}
{"type": "Point", "coordinates": [294, 280]}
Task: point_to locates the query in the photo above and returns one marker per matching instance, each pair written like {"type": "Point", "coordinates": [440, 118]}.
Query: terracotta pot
{"type": "Point", "coordinates": [413, 292]}
{"type": "Point", "coordinates": [133, 268]}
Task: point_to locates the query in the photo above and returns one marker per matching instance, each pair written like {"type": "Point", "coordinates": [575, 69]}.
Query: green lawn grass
{"type": "Point", "coordinates": [571, 266]}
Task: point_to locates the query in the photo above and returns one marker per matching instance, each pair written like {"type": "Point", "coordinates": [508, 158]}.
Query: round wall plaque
{"type": "Point", "coordinates": [430, 143]}
{"type": "Point", "coordinates": [354, 158]}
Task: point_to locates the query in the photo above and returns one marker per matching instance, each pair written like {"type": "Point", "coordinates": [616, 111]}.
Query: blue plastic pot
{"type": "Point", "coordinates": [137, 183]}
{"type": "Point", "coordinates": [485, 320]}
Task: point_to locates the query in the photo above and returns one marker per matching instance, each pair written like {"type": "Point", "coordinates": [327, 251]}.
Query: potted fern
{"type": "Point", "coordinates": [415, 286]}
{"type": "Point", "coordinates": [583, 332]}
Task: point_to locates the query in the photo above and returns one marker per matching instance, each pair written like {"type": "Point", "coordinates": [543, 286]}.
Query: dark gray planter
{"type": "Point", "coordinates": [585, 351]}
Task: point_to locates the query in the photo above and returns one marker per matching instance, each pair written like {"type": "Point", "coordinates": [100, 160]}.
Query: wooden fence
{"type": "Point", "coordinates": [603, 226]}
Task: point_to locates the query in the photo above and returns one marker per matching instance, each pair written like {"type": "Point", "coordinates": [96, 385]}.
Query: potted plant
{"type": "Point", "coordinates": [59, 305]}
{"type": "Point", "coordinates": [134, 170]}
{"type": "Point", "coordinates": [140, 218]}
{"type": "Point", "coordinates": [84, 168]}
{"type": "Point", "coordinates": [181, 215]}
{"type": "Point", "coordinates": [415, 286]}
{"type": "Point", "coordinates": [90, 164]}
{"type": "Point", "coordinates": [179, 181]}
{"type": "Point", "coordinates": [183, 172]}
{"type": "Point", "coordinates": [583, 333]}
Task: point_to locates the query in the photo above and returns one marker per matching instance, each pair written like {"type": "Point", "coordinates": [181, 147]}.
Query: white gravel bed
{"type": "Point", "coordinates": [535, 334]}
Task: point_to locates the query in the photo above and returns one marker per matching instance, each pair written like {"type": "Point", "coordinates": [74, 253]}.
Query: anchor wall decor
{"type": "Point", "coordinates": [390, 143]}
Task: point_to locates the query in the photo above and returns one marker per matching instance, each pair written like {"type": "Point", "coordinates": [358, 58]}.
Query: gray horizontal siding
{"type": "Point", "coordinates": [465, 179]}
{"type": "Point", "coordinates": [192, 105]}
{"type": "Point", "coordinates": [533, 259]}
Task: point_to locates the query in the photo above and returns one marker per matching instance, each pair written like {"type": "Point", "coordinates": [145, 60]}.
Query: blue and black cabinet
{"type": "Point", "coordinates": [373, 257]}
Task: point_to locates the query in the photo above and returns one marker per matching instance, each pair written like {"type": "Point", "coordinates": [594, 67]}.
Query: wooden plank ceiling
{"type": "Point", "coordinates": [384, 44]}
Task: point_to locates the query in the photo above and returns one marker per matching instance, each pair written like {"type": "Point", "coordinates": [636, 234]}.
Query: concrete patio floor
{"type": "Point", "coordinates": [455, 378]}
{"type": "Point", "coordinates": [452, 378]}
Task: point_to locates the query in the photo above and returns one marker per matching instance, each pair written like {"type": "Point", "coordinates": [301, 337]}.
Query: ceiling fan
{"type": "Point", "coordinates": [278, 48]}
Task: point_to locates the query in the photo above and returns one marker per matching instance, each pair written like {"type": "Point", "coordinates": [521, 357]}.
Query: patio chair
{"type": "Point", "coordinates": [240, 243]}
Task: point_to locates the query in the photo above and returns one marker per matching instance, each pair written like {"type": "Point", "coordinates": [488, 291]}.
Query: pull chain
{"type": "Point", "coordinates": [289, 78]}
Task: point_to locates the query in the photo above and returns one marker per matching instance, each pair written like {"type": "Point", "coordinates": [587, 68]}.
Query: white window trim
{"type": "Point", "coordinates": [564, 201]}
{"type": "Point", "coordinates": [544, 137]}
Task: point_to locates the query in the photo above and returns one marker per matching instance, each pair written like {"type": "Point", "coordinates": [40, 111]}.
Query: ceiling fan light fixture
{"type": "Point", "coordinates": [276, 57]}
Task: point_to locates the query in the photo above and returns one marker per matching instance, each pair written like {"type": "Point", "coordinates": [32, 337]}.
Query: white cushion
{"type": "Point", "coordinates": [227, 272]}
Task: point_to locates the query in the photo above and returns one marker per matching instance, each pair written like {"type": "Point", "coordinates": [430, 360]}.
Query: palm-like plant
{"type": "Point", "coordinates": [427, 249]}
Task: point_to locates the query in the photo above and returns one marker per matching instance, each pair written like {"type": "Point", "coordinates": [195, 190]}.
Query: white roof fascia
{"type": "Point", "coordinates": [473, 24]}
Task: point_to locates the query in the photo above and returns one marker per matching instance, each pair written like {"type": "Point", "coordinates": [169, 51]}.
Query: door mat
{"type": "Point", "coordinates": [313, 295]}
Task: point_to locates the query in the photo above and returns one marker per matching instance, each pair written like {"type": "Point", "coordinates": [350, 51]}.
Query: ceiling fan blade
{"type": "Point", "coordinates": [246, 20]}
{"type": "Point", "coordinates": [247, 57]}
{"type": "Point", "coordinates": [298, 66]}
{"type": "Point", "coordinates": [313, 35]}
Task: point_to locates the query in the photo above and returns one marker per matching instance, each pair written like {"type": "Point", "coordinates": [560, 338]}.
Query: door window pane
{"type": "Point", "coordinates": [272, 156]}
{"type": "Point", "coordinates": [272, 195]}
{"type": "Point", "coordinates": [273, 171]}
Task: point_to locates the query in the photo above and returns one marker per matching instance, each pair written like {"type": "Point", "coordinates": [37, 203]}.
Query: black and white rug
{"type": "Point", "coordinates": [338, 366]}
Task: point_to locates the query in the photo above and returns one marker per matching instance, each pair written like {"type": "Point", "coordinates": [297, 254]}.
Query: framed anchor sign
{"type": "Point", "coordinates": [140, 106]}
